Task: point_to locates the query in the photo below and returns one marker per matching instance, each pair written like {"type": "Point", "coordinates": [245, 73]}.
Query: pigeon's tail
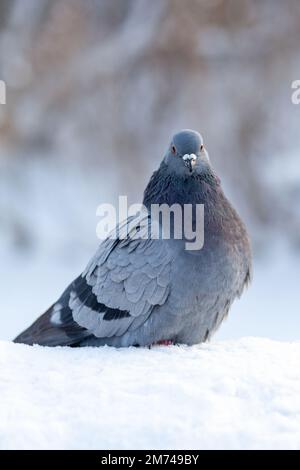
{"type": "Point", "coordinates": [44, 333]}
{"type": "Point", "coordinates": [41, 332]}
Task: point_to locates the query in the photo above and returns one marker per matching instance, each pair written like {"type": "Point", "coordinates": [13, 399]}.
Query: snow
{"type": "Point", "coordinates": [242, 394]}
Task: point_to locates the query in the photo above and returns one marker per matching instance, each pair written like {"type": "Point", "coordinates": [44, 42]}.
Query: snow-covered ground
{"type": "Point", "coordinates": [242, 394]}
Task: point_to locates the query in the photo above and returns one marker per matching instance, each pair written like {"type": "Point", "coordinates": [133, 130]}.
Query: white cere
{"type": "Point", "coordinates": [190, 156]}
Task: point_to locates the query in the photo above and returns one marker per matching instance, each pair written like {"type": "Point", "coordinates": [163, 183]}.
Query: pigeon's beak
{"type": "Point", "coordinates": [189, 160]}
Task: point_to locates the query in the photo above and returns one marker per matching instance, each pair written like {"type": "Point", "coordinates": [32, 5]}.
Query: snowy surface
{"type": "Point", "coordinates": [239, 394]}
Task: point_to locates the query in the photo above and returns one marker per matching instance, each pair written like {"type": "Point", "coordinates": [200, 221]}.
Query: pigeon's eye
{"type": "Point", "coordinates": [173, 148]}
{"type": "Point", "coordinates": [201, 147]}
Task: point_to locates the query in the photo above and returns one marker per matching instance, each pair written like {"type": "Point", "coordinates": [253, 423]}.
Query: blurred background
{"type": "Point", "coordinates": [95, 89]}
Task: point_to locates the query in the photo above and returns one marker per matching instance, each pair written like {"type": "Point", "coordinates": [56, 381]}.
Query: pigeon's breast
{"type": "Point", "coordinates": [205, 280]}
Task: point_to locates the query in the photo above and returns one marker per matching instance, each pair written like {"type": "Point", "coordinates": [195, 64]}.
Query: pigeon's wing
{"type": "Point", "coordinates": [124, 281]}
{"type": "Point", "coordinates": [122, 284]}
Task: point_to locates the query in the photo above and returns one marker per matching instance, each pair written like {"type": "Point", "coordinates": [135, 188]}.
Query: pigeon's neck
{"type": "Point", "coordinates": [166, 188]}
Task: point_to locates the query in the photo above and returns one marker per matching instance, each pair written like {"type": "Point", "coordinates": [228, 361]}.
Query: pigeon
{"type": "Point", "coordinates": [143, 291]}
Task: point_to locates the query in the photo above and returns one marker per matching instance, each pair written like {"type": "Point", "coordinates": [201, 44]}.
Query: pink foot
{"type": "Point", "coordinates": [164, 342]}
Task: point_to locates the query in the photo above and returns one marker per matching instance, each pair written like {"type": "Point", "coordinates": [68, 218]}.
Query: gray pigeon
{"type": "Point", "coordinates": [141, 291]}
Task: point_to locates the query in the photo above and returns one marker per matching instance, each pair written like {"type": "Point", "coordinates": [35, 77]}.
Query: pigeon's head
{"type": "Point", "coordinates": [186, 154]}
